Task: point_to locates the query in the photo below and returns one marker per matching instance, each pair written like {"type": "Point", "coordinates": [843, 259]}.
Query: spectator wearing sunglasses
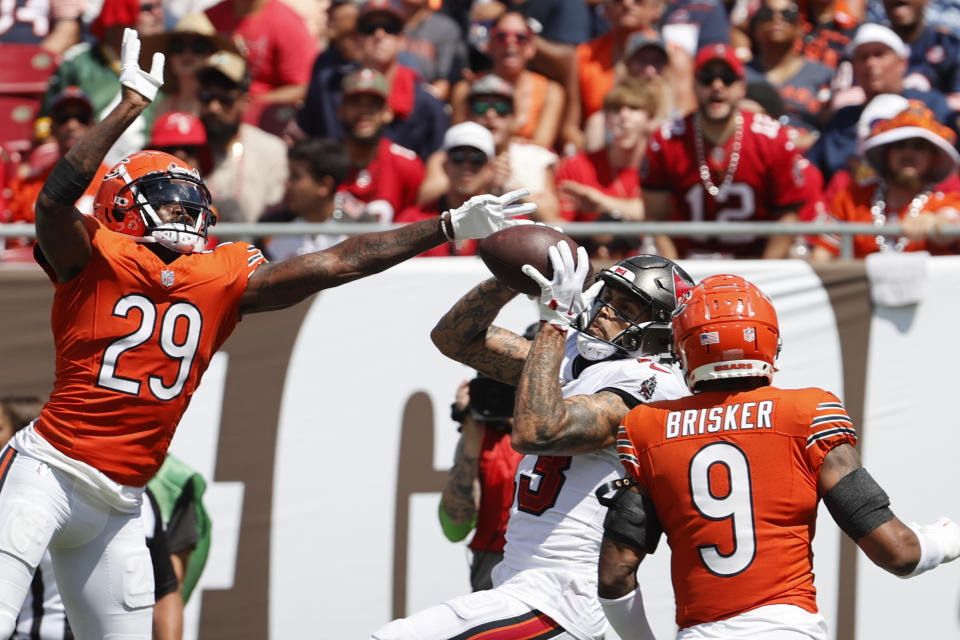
{"type": "Point", "coordinates": [383, 177]}
{"type": "Point", "coordinates": [186, 46]}
{"type": "Point", "coordinates": [518, 163]}
{"type": "Point", "coordinates": [468, 165]}
{"type": "Point", "coordinates": [419, 120]}
{"type": "Point", "coordinates": [538, 101]}
{"type": "Point", "coordinates": [276, 43]}
{"type": "Point", "coordinates": [71, 114]}
{"type": "Point", "coordinates": [775, 32]}
{"type": "Point", "coordinates": [249, 165]}
{"type": "Point", "coordinates": [95, 67]}
{"type": "Point", "coordinates": [722, 164]}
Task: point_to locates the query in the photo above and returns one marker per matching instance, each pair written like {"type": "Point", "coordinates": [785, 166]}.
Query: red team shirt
{"type": "Point", "coordinates": [594, 170]}
{"type": "Point", "coordinates": [133, 337]}
{"type": "Point", "coordinates": [733, 477]}
{"type": "Point", "coordinates": [767, 182]}
{"type": "Point", "coordinates": [394, 175]}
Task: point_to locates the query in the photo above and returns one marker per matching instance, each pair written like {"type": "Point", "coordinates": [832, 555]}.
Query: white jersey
{"type": "Point", "coordinates": [556, 522]}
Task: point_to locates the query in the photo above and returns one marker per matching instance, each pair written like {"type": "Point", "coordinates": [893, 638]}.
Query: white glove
{"type": "Point", "coordinates": [480, 216]}
{"type": "Point", "coordinates": [131, 75]}
{"type": "Point", "coordinates": [939, 543]}
{"type": "Point", "coordinates": [561, 299]}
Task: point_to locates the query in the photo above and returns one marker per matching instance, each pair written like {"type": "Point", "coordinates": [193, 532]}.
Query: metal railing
{"type": "Point", "coordinates": [846, 231]}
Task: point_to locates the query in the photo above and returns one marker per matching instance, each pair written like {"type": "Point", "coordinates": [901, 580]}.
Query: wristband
{"type": "Point", "coordinates": [457, 414]}
{"type": "Point", "coordinates": [65, 184]}
{"type": "Point", "coordinates": [447, 232]}
{"type": "Point", "coordinates": [931, 552]}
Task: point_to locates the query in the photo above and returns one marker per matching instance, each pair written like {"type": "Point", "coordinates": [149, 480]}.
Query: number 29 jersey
{"type": "Point", "coordinates": [556, 521]}
{"type": "Point", "coordinates": [733, 477]}
{"type": "Point", "coordinates": [133, 337]}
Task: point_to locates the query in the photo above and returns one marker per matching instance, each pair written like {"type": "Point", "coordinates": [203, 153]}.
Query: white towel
{"type": "Point", "coordinates": [897, 279]}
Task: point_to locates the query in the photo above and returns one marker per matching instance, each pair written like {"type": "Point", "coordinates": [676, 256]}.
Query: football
{"type": "Point", "coordinates": [507, 250]}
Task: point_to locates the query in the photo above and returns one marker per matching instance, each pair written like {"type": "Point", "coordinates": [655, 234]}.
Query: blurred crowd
{"type": "Point", "coordinates": [606, 110]}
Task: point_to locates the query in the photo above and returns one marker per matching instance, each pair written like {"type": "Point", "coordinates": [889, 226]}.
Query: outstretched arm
{"type": "Point", "coordinates": [61, 233]}
{"type": "Point", "coordinates": [466, 333]}
{"type": "Point", "coordinates": [861, 509]}
{"type": "Point", "coordinates": [544, 422]}
{"type": "Point", "coordinates": [281, 284]}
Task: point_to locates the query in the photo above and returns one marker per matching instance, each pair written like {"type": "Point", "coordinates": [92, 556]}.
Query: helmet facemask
{"type": "Point", "coordinates": [176, 189]}
{"type": "Point", "coordinates": [647, 331]}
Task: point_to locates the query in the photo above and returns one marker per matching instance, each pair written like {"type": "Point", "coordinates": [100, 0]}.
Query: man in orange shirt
{"type": "Point", "coordinates": [733, 475]}
{"type": "Point", "coordinates": [139, 310]}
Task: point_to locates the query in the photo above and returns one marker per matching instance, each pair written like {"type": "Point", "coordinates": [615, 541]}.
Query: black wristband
{"type": "Point", "coordinates": [457, 414]}
{"type": "Point", "coordinates": [65, 184]}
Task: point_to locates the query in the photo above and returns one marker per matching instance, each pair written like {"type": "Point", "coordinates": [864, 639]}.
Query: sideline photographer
{"type": "Point", "coordinates": [479, 490]}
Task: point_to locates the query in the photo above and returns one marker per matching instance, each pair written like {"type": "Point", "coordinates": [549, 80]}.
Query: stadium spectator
{"type": "Point", "coordinates": [827, 26]}
{"type": "Point", "coordinates": [54, 26]}
{"type": "Point", "coordinates": [192, 40]}
{"type": "Point", "coordinates": [95, 67]}
{"type": "Point", "coordinates": [278, 48]}
{"type": "Point", "coordinates": [942, 14]}
{"type": "Point", "coordinates": [804, 85]}
{"type": "Point", "coordinates": [934, 61]}
{"type": "Point", "coordinates": [879, 65]}
{"type": "Point", "coordinates": [558, 27]}
{"type": "Point", "coordinates": [435, 44]}
{"type": "Point", "coordinates": [71, 114]}
{"type": "Point", "coordinates": [546, 585]}
{"type": "Point", "coordinates": [419, 120]}
{"type": "Point", "coordinates": [592, 74]}
{"type": "Point", "coordinates": [910, 153]}
{"type": "Point", "coordinates": [182, 135]}
{"type": "Point", "coordinates": [604, 184]}
{"type": "Point", "coordinates": [249, 165]}
{"type": "Point", "coordinates": [646, 57]}
{"type": "Point", "coordinates": [383, 177]}
{"type": "Point", "coordinates": [111, 275]}
{"type": "Point", "coordinates": [538, 100]}
{"type": "Point", "coordinates": [518, 163]}
{"type": "Point", "coordinates": [761, 585]}
{"type": "Point", "coordinates": [468, 165]}
{"type": "Point", "coordinates": [722, 164]}
{"type": "Point", "coordinates": [479, 489]}
{"type": "Point", "coordinates": [318, 166]}
{"type": "Point", "coordinates": [707, 18]}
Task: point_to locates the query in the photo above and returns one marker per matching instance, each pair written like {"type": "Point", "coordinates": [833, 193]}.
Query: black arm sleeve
{"type": "Point", "coordinates": [164, 579]}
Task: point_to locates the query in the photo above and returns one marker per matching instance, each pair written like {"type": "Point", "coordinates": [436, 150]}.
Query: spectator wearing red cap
{"type": "Point", "coordinates": [71, 114]}
{"type": "Point", "coordinates": [95, 68]}
{"type": "Point", "coordinates": [722, 164]}
{"type": "Point", "coordinates": [182, 135]}
{"type": "Point", "coordinates": [278, 48]}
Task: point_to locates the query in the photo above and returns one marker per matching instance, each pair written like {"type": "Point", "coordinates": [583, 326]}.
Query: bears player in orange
{"type": "Point", "coordinates": [733, 475]}
{"type": "Point", "coordinates": [139, 310]}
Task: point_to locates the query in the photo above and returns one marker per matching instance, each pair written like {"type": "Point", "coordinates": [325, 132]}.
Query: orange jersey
{"type": "Point", "coordinates": [734, 480]}
{"type": "Point", "coordinates": [133, 336]}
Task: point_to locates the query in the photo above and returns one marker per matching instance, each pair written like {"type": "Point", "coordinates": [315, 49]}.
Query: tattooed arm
{"type": "Point", "coordinates": [61, 233]}
{"type": "Point", "coordinates": [892, 546]}
{"type": "Point", "coordinates": [544, 422]}
{"type": "Point", "coordinates": [281, 284]}
{"type": "Point", "coordinates": [466, 333]}
{"type": "Point", "coordinates": [460, 500]}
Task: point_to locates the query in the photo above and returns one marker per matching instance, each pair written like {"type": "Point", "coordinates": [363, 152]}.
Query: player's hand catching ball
{"type": "Point", "coordinates": [480, 216]}
{"type": "Point", "coordinates": [131, 75]}
{"type": "Point", "coordinates": [561, 298]}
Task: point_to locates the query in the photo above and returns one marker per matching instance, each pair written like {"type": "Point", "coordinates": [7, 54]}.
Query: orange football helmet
{"type": "Point", "coordinates": [726, 328]}
{"type": "Point", "coordinates": [132, 194]}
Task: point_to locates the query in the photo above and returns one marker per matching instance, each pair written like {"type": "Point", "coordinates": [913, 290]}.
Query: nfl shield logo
{"type": "Point", "coordinates": [166, 278]}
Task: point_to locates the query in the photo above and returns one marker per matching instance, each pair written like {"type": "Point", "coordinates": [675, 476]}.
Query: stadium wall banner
{"type": "Point", "coordinates": [324, 433]}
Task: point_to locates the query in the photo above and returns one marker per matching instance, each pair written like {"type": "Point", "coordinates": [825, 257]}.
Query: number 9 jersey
{"type": "Point", "coordinates": [133, 337]}
{"type": "Point", "coordinates": [733, 477]}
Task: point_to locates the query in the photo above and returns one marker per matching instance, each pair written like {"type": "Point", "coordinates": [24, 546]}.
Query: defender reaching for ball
{"type": "Point", "coordinates": [610, 348]}
{"type": "Point", "coordinates": [139, 310]}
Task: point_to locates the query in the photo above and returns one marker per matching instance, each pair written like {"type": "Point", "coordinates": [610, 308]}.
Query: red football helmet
{"type": "Point", "coordinates": [726, 328]}
{"type": "Point", "coordinates": [131, 194]}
